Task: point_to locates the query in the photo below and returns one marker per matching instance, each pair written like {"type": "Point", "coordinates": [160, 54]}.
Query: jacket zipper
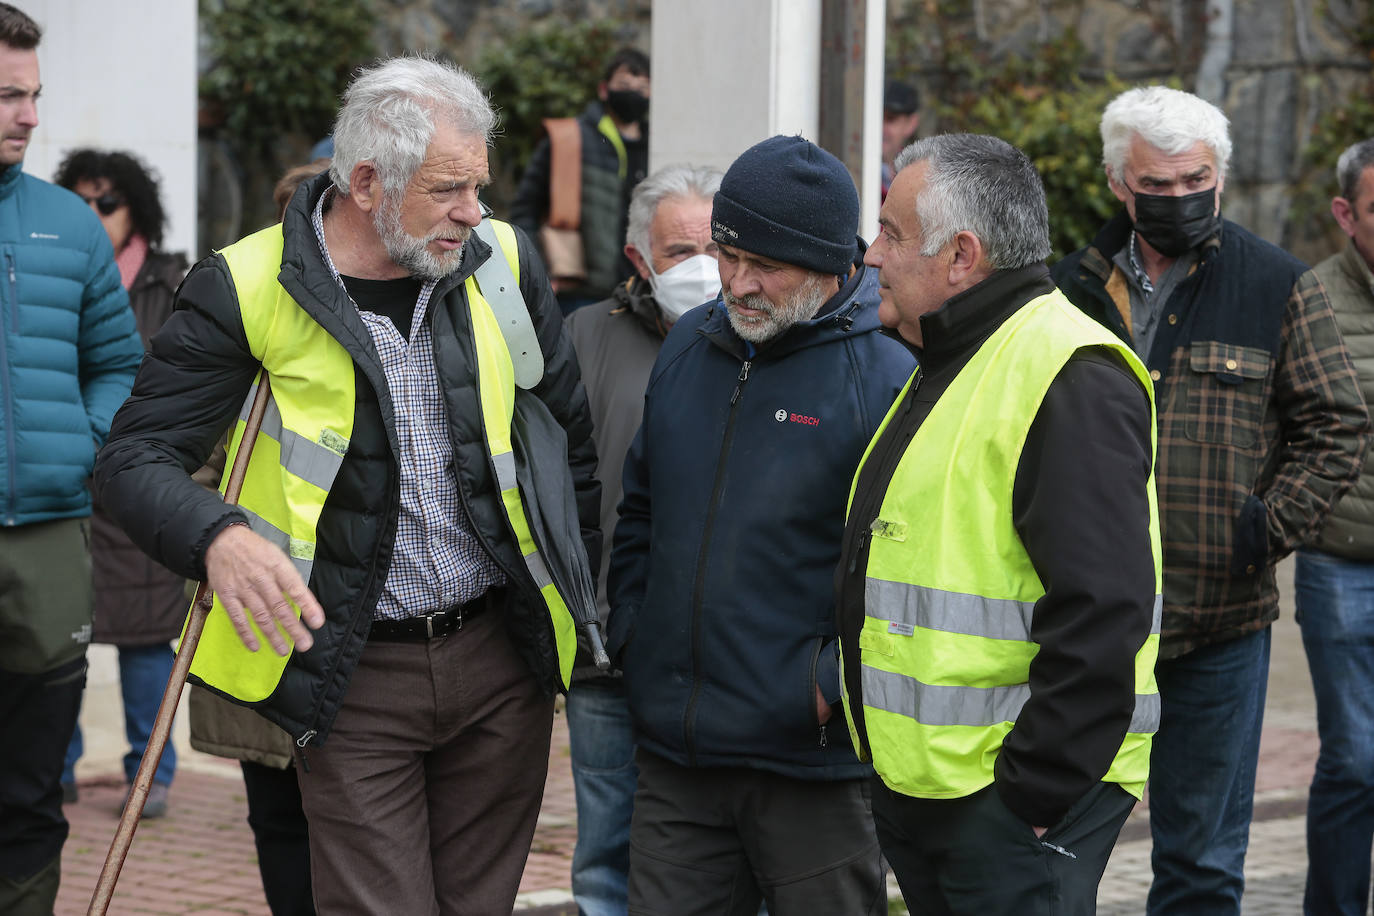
{"type": "Point", "coordinates": [12, 308]}
{"type": "Point", "coordinates": [823, 739]}
{"type": "Point", "coordinates": [857, 550]}
{"type": "Point", "coordinates": [698, 588]}
{"type": "Point", "coordinates": [301, 742]}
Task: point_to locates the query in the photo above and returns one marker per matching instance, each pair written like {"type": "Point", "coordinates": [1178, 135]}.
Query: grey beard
{"type": "Point", "coordinates": [409, 252]}
{"type": "Point", "coordinates": [804, 302]}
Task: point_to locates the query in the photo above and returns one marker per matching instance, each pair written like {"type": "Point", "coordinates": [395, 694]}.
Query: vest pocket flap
{"type": "Point", "coordinates": [1230, 363]}
{"type": "Point", "coordinates": [873, 641]}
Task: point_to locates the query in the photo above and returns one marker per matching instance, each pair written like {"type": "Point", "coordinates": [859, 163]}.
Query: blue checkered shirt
{"type": "Point", "coordinates": [437, 561]}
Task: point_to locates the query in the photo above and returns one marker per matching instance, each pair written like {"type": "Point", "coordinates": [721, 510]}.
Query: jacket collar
{"type": "Point", "coordinates": [164, 268]}
{"type": "Point", "coordinates": [9, 179]}
{"type": "Point", "coordinates": [636, 296]}
{"type": "Point", "coordinates": [1357, 267]}
{"type": "Point", "coordinates": [963, 322]}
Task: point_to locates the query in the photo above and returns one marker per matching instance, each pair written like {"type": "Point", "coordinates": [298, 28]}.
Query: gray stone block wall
{"type": "Point", "coordinates": [461, 28]}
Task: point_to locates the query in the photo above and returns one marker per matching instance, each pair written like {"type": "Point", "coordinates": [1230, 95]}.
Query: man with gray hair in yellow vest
{"type": "Point", "coordinates": [999, 585]}
{"type": "Point", "coordinates": [386, 505]}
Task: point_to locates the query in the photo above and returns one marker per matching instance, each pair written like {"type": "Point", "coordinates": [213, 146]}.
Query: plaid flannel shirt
{"type": "Point", "coordinates": [1261, 423]}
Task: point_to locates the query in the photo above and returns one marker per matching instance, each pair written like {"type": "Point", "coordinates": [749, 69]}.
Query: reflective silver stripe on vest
{"type": "Point", "coordinates": [931, 705]}
{"type": "Point", "coordinates": [949, 612]}
{"type": "Point", "coordinates": [302, 553]}
{"type": "Point", "coordinates": [1145, 718]}
{"type": "Point", "coordinates": [978, 706]}
{"type": "Point", "coordinates": [955, 612]}
{"type": "Point", "coordinates": [506, 480]}
{"type": "Point", "coordinates": [301, 457]}
{"type": "Point", "coordinates": [498, 286]}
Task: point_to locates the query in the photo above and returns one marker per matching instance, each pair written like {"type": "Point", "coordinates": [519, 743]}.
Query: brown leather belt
{"type": "Point", "coordinates": [430, 626]}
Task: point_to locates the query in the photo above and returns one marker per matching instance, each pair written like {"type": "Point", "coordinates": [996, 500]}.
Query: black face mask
{"type": "Point", "coordinates": [627, 105]}
{"type": "Point", "coordinates": [1173, 225]}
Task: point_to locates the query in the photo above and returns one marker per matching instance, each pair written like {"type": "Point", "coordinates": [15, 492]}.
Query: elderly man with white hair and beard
{"type": "Point", "coordinates": [380, 508]}
{"type": "Point", "coordinates": [757, 410]}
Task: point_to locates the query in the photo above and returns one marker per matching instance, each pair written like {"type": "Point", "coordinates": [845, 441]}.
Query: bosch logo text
{"type": "Point", "coordinates": [782, 416]}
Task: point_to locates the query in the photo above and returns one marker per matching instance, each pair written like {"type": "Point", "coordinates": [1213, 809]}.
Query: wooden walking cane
{"type": "Point", "coordinates": [162, 727]}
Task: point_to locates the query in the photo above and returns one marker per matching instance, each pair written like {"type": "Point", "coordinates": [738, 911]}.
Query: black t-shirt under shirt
{"type": "Point", "coordinates": [393, 299]}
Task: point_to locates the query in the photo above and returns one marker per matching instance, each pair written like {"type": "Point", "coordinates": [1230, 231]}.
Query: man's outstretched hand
{"type": "Point", "coordinates": [252, 577]}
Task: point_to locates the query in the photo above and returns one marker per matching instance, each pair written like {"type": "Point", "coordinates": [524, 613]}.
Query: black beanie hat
{"type": "Point", "coordinates": [789, 200]}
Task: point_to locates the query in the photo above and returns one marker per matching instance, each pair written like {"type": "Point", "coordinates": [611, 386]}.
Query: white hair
{"type": "Point", "coordinates": [1350, 168]}
{"type": "Point", "coordinates": [984, 185]}
{"type": "Point", "coordinates": [1170, 120]}
{"type": "Point", "coordinates": [669, 182]}
{"type": "Point", "coordinates": [389, 113]}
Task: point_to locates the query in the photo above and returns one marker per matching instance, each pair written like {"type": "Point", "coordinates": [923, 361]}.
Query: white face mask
{"type": "Point", "coordinates": [685, 285]}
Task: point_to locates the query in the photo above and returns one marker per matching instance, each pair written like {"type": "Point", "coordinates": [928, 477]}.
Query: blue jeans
{"type": "Point", "coordinates": [604, 776]}
{"type": "Point", "coordinates": [1335, 600]}
{"type": "Point", "coordinates": [143, 673]}
{"type": "Point", "coordinates": [1202, 774]}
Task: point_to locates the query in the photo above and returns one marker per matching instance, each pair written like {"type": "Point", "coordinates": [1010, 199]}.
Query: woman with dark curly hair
{"type": "Point", "coordinates": [139, 606]}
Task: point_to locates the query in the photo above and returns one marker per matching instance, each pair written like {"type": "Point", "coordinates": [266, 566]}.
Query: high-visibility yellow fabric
{"type": "Point", "coordinates": [310, 418]}
{"type": "Point", "coordinates": [945, 647]}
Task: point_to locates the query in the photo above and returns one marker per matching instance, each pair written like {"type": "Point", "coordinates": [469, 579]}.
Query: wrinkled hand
{"type": "Point", "coordinates": [823, 710]}
{"type": "Point", "coordinates": [252, 577]}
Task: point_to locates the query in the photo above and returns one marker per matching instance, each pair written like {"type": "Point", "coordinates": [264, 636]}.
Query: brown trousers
{"type": "Point", "coordinates": [424, 799]}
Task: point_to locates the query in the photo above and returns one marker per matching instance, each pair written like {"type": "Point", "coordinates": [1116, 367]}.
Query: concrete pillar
{"type": "Point", "coordinates": [121, 76]}
{"type": "Point", "coordinates": [729, 73]}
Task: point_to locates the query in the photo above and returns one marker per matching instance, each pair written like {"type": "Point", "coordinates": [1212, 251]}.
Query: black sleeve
{"type": "Point", "coordinates": [1081, 507]}
{"type": "Point", "coordinates": [562, 390]}
{"type": "Point", "coordinates": [532, 196]}
{"type": "Point", "coordinates": [188, 392]}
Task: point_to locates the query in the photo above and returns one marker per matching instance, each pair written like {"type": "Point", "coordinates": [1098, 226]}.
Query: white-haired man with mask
{"type": "Point", "coordinates": [1261, 428]}
{"type": "Point", "coordinates": [668, 239]}
{"type": "Point", "coordinates": [381, 503]}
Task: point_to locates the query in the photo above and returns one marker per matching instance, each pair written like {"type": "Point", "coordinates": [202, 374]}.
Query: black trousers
{"type": "Point", "coordinates": [715, 841]}
{"type": "Point", "coordinates": [281, 836]}
{"type": "Point", "coordinates": [37, 715]}
{"type": "Point", "coordinates": [972, 855]}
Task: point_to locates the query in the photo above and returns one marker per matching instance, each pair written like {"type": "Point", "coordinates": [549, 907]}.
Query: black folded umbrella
{"type": "Point", "coordinates": [551, 506]}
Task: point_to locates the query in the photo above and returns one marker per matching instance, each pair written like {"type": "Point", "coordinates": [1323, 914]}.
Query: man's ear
{"type": "Point", "coordinates": [966, 258]}
{"type": "Point", "coordinates": [638, 260]}
{"type": "Point", "coordinates": [1345, 215]}
{"type": "Point", "coordinates": [1116, 186]}
{"type": "Point", "coordinates": [365, 187]}
{"type": "Point", "coordinates": [602, 92]}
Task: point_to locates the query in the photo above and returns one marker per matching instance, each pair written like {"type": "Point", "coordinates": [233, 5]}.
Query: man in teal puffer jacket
{"type": "Point", "coordinates": [68, 353]}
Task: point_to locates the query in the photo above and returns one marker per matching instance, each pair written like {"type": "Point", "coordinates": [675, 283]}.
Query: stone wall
{"type": "Point", "coordinates": [459, 28]}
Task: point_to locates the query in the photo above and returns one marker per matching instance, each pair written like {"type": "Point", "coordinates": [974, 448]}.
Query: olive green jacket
{"type": "Point", "coordinates": [1349, 530]}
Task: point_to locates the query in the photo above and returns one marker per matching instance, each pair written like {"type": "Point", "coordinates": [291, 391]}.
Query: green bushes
{"type": "Point", "coordinates": [278, 66]}
{"type": "Point", "coordinates": [545, 72]}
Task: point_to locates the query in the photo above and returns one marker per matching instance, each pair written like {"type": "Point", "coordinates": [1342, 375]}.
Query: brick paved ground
{"type": "Point", "coordinates": [200, 858]}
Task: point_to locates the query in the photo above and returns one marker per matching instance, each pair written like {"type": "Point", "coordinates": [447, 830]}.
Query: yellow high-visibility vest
{"type": "Point", "coordinates": [305, 435]}
{"type": "Point", "coordinates": [945, 648]}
